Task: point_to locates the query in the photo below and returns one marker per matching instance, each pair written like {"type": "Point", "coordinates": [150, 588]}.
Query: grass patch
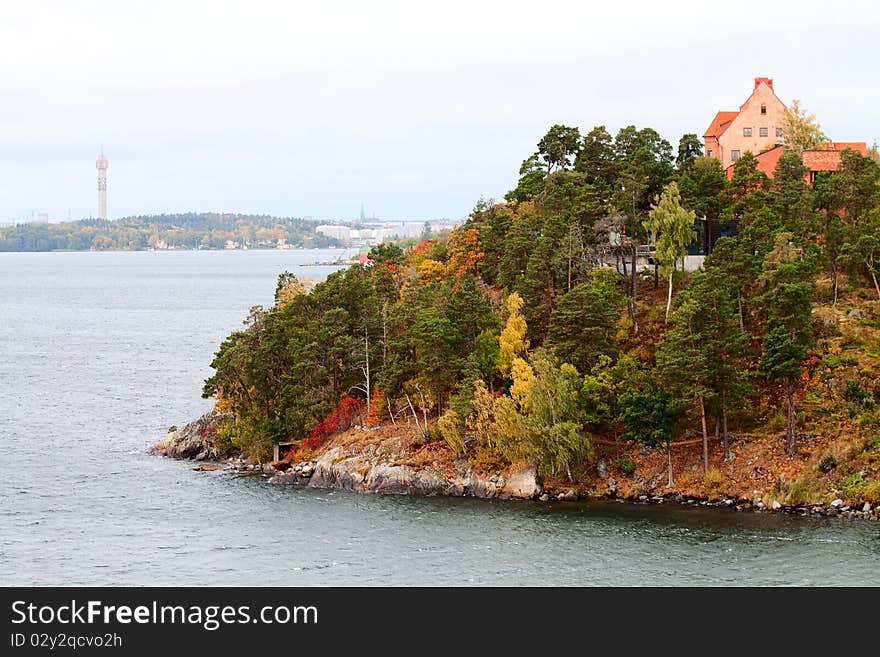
{"type": "Point", "coordinates": [625, 465]}
{"type": "Point", "coordinates": [805, 491]}
{"type": "Point", "coordinates": [714, 479]}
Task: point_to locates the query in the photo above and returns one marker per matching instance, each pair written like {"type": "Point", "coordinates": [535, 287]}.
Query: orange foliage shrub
{"type": "Point", "coordinates": [377, 409]}
{"type": "Point", "coordinates": [465, 252]}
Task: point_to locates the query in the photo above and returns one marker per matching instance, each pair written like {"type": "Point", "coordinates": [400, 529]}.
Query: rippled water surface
{"type": "Point", "coordinates": [101, 352]}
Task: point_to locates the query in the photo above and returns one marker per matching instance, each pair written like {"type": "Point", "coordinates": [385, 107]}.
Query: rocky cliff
{"type": "Point", "coordinates": [194, 440]}
{"type": "Point", "coordinates": [363, 472]}
{"type": "Point", "coordinates": [387, 465]}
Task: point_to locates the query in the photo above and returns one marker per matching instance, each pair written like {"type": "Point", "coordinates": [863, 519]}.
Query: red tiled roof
{"type": "Point", "coordinates": [820, 159]}
{"type": "Point", "coordinates": [817, 160]}
{"type": "Point", "coordinates": [720, 123]}
{"type": "Point", "coordinates": [859, 147]}
{"type": "Point", "coordinates": [766, 161]}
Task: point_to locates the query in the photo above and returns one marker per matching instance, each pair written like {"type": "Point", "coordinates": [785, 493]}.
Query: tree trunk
{"type": "Point", "coordinates": [669, 298]}
{"type": "Point", "coordinates": [705, 434]}
{"type": "Point", "coordinates": [391, 413]}
{"type": "Point", "coordinates": [656, 273]}
{"type": "Point", "coordinates": [367, 365]}
{"type": "Point", "coordinates": [790, 437]}
{"type": "Point", "coordinates": [569, 259]}
{"type": "Point", "coordinates": [874, 278]}
{"type": "Point", "coordinates": [384, 332]}
{"type": "Point", "coordinates": [739, 308]}
{"type": "Point", "coordinates": [834, 284]}
{"type": "Point", "coordinates": [415, 415]}
{"type": "Point", "coordinates": [424, 409]}
{"type": "Point", "coordinates": [724, 439]}
{"type": "Point", "coordinates": [669, 459]}
{"type": "Point", "coordinates": [635, 273]}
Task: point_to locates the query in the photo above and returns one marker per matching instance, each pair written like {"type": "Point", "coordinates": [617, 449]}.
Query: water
{"type": "Point", "coordinates": [101, 352]}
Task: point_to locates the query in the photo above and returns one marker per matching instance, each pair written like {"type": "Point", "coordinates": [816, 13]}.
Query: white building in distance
{"type": "Point", "coordinates": [102, 164]}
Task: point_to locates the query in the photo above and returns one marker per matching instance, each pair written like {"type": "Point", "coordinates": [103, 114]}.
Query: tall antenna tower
{"type": "Point", "coordinates": [102, 165]}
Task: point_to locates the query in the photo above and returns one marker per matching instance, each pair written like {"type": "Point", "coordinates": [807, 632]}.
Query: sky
{"type": "Point", "coordinates": [415, 110]}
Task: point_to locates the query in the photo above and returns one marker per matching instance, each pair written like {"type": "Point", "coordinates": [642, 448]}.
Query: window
{"type": "Point", "coordinates": [734, 155]}
{"type": "Point", "coordinates": [747, 132]}
{"type": "Point", "coordinates": [779, 132]}
{"type": "Point", "coordinates": [710, 153]}
{"type": "Point", "coordinates": [763, 132]}
{"type": "Point", "coordinates": [763, 109]}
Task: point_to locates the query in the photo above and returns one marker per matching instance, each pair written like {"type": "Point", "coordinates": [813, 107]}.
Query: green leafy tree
{"type": "Point", "coordinates": [648, 415]}
{"type": "Point", "coordinates": [554, 430]}
{"type": "Point", "coordinates": [675, 226]}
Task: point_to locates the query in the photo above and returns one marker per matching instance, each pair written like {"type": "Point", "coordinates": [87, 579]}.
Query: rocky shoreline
{"type": "Point", "coordinates": [377, 468]}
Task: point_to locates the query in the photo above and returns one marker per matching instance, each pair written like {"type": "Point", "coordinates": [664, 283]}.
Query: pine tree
{"type": "Point", "coordinates": [582, 327]}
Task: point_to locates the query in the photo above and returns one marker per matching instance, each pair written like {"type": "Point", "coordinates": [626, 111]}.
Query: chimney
{"type": "Point", "coordinates": [769, 82]}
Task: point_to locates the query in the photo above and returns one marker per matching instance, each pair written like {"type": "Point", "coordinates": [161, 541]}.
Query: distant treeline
{"type": "Point", "coordinates": [192, 230]}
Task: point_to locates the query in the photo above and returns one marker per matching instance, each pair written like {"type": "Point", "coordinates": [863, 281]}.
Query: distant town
{"type": "Point", "coordinates": [202, 230]}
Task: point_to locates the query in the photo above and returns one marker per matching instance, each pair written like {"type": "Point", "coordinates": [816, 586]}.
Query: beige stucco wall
{"type": "Point", "coordinates": [750, 117]}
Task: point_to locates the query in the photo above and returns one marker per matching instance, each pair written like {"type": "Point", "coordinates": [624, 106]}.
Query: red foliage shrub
{"type": "Point", "coordinates": [339, 418]}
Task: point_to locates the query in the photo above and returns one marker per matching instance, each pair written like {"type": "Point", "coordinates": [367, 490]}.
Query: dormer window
{"type": "Point", "coordinates": [763, 109]}
{"type": "Point", "coordinates": [747, 132]}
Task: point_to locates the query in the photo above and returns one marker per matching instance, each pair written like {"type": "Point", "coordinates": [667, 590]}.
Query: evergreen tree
{"type": "Point", "coordinates": [786, 304]}
{"type": "Point", "coordinates": [582, 327]}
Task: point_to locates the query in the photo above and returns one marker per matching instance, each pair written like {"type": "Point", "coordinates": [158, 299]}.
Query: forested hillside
{"type": "Point", "coordinates": [531, 333]}
{"type": "Point", "coordinates": [175, 231]}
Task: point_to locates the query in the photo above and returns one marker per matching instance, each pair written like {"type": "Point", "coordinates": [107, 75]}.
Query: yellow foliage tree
{"type": "Point", "coordinates": [523, 379]}
{"type": "Point", "coordinates": [292, 287]}
{"type": "Point", "coordinates": [479, 422]}
{"type": "Point", "coordinates": [801, 129]}
{"type": "Point", "coordinates": [512, 341]}
{"type": "Point", "coordinates": [431, 270]}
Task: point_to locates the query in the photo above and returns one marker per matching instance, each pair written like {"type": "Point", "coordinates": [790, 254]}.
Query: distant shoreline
{"type": "Point", "coordinates": [183, 249]}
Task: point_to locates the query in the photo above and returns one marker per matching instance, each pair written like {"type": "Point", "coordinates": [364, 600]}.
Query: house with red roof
{"type": "Point", "coordinates": [814, 159]}
{"type": "Point", "coordinates": [757, 126]}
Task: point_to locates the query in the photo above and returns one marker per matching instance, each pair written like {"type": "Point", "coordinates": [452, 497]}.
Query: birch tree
{"type": "Point", "coordinates": [675, 227]}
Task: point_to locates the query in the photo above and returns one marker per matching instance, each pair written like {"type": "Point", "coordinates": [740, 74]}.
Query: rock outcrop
{"type": "Point", "coordinates": [194, 440]}
{"type": "Point", "coordinates": [376, 471]}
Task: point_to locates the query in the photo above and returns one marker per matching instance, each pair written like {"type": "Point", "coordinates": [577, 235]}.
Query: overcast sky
{"type": "Point", "coordinates": [414, 109]}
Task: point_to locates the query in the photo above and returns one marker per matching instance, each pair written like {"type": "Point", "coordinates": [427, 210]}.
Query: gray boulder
{"type": "Point", "coordinates": [523, 483]}
{"type": "Point", "coordinates": [194, 440]}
